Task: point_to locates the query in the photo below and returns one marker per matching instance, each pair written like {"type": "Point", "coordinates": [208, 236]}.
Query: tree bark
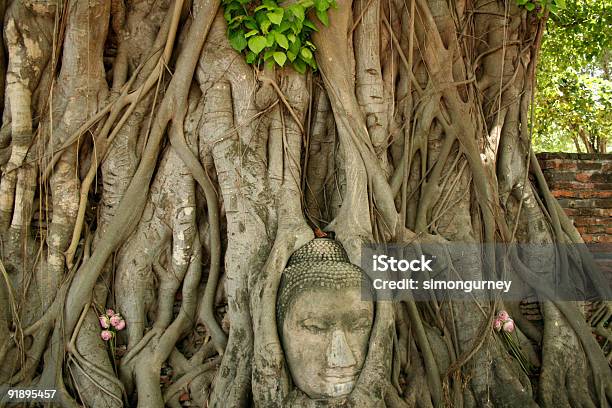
{"type": "Point", "coordinates": [147, 168]}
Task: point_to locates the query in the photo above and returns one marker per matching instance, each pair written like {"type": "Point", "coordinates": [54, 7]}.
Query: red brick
{"type": "Point", "coordinates": [587, 212]}
{"type": "Point", "coordinates": [567, 165]}
{"type": "Point", "coordinates": [600, 177]}
{"type": "Point", "coordinates": [565, 193]}
{"type": "Point", "coordinates": [576, 185]}
{"type": "Point", "coordinates": [596, 229]}
{"type": "Point", "coordinates": [583, 176]}
{"type": "Point", "coordinates": [605, 212]}
{"type": "Point", "coordinates": [603, 203]}
{"type": "Point", "coordinates": [582, 183]}
{"type": "Point", "coordinates": [598, 203]}
{"type": "Point", "coordinates": [601, 194]}
{"type": "Point", "coordinates": [589, 165]}
{"type": "Point", "coordinates": [559, 164]}
{"type": "Point", "coordinates": [597, 238]}
{"type": "Point", "coordinates": [584, 221]}
{"type": "Point", "coordinates": [571, 185]}
{"type": "Point", "coordinates": [582, 194]}
{"type": "Point", "coordinates": [547, 164]}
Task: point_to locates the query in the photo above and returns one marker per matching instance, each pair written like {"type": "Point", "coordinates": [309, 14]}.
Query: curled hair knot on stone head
{"type": "Point", "coordinates": [321, 263]}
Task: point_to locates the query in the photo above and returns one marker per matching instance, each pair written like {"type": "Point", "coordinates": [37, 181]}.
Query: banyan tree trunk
{"type": "Point", "coordinates": [147, 168]}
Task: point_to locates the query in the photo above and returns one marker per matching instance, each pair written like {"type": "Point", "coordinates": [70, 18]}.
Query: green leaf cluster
{"type": "Point", "coordinates": [554, 6]}
{"type": "Point", "coordinates": [266, 32]}
{"type": "Point", "coordinates": [573, 102]}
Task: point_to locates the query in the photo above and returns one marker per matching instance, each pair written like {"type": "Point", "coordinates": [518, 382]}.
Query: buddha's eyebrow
{"type": "Point", "coordinates": [328, 315]}
{"type": "Point", "coordinates": [316, 316]}
{"type": "Point", "coordinates": [357, 313]}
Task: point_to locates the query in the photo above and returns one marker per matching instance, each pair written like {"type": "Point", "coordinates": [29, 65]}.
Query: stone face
{"type": "Point", "coordinates": [325, 339]}
{"type": "Point", "coordinates": [324, 325]}
{"type": "Point", "coordinates": [582, 183]}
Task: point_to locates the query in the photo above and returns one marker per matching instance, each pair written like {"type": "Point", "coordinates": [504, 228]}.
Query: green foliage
{"type": "Point", "coordinates": [574, 94]}
{"type": "Point", "coordinates": [268, 33]}
{"type": "Point", "coordinates": [541, 5]}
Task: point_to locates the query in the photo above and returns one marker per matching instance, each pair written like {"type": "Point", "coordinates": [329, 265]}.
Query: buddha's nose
{"type": "Point", "coordinates": [339, 353]}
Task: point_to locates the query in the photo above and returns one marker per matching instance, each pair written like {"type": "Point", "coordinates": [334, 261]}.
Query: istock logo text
{"type": "Point", "coordinates": [383, 263]}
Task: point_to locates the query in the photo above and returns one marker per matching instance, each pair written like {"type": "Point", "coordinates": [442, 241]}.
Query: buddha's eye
{"type": "Point", "coordinates": [314, 326]}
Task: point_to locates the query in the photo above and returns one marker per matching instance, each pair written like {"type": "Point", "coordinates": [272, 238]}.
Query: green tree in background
{"type": "Point", "coordinates": [574, 99]}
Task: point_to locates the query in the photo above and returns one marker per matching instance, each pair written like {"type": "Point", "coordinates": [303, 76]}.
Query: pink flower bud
{"type": "Point", "coordinates": [115, 319]}
{"type": "Point", "coordinates": [110, 312]}
{"type": "Point", "coordinates": [497, 324]}
{"type": "Point", "coordinates": [509, 326]}
{"type": "Point", "coordinates": [503, 315]}
{"type": "Point", "coordinates": [104, 321]}
{"type": "Point", "coordinates": [120, 325]}
{"type": "Point", "coordinates": [117, 322]}
{"type": "Point", "coordinates": [106, 335]}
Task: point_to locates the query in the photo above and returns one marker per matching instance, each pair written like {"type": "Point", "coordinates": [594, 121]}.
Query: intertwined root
{"type": "Point", "coordinates": [160, 250]}
{"type": "Point", "coordinates": [414, 130]}
{"type": "Point", "coordinates": [600, 321]}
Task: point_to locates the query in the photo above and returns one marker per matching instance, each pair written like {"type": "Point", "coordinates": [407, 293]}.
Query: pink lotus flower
{"type": "Point", "coordinates": [503, 315]}
{"type": "Point", "coordinates": [115, 319]}
{"type": "Point", "coordinates": [117, 322]}
{"type": "Point", "coordinates": [106, 335]}
{"type": "Point", "coordinates": [508, 326]}
{"type": "Point", "coordinates": [110, 312]}
{"type": "Point", "coordinates": [104, 321]}
{"type": "Point", "coordinates": [497, 324]}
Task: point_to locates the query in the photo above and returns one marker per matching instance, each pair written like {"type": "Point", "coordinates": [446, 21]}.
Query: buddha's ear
{"type": "Point", "coordinates": [375, 375]}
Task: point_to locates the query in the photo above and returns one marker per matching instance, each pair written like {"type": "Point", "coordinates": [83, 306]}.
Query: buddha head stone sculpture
{"type": "Point", "coordinates": [323, 323]}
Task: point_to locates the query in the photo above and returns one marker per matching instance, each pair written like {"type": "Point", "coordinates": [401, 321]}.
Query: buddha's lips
{"type": "Point", "coordinates": [340, 376]}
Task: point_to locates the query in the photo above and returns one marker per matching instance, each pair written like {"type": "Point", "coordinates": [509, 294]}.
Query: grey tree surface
{"type": "Point", "coordinates": [148, 168]}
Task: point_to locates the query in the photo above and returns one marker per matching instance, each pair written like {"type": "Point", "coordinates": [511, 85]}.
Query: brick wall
{"type": "Point", "coordinates": [583, 185]}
